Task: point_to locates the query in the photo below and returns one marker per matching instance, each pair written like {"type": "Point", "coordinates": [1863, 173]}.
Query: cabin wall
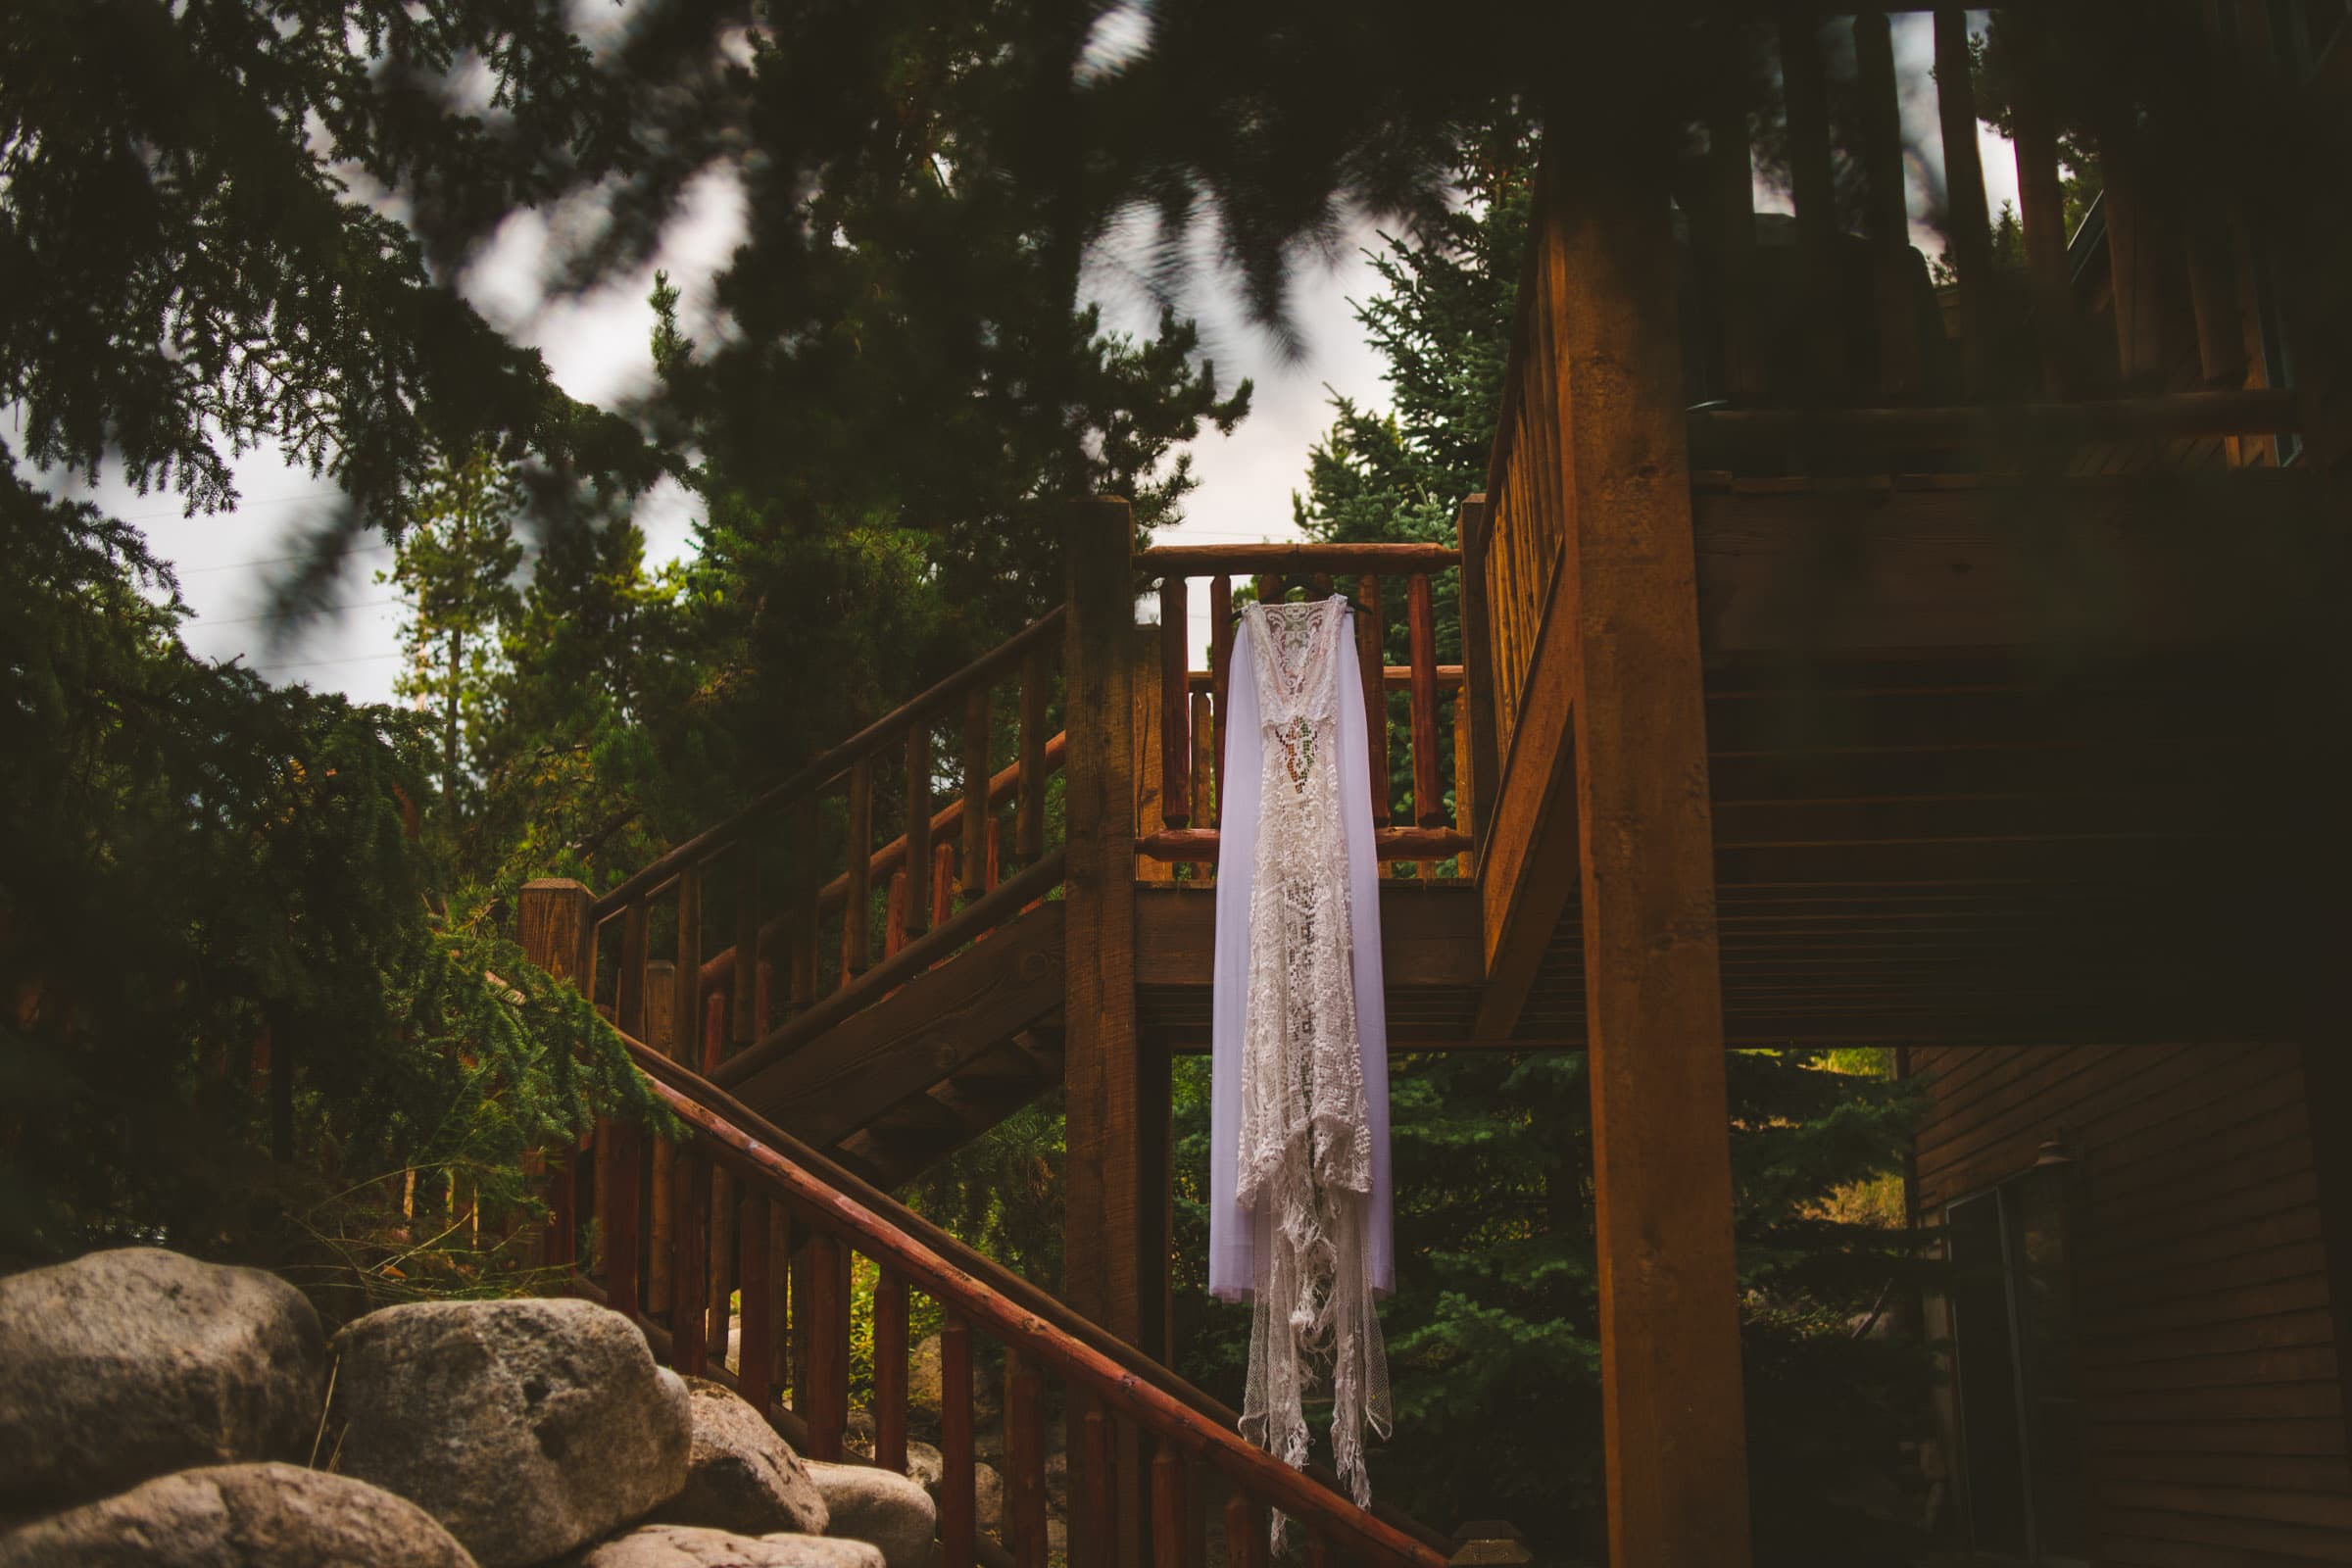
{"type": "Point", "coordinates": [2205, 1347]}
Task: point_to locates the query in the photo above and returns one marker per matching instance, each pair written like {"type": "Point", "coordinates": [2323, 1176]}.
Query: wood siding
{"type": "Point", "coordinates": [2207, 1352]}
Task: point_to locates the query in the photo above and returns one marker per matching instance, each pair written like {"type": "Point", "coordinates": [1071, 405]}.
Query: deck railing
{"type": "Point", "coordinates": [801, 1224]}
{"type": "Point", "coordinates": [1191, 704]}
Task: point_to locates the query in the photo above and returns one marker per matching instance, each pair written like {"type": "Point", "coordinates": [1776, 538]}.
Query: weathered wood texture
{"type": "Point", "coordinates": [2206, 1351]}
{"type": "Point", "coordinates": [1102, 1219]}
{"type": "Point", "coordinates": [1672, 1413]}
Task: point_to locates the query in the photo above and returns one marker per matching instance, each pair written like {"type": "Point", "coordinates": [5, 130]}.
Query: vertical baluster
{"type": "Point", "coordinates": [976, 714]}
{"type": "Point", "coordinates": [1029, 820]}
{"type": "Point", "coordinates": [894, 921]}
{"type": "Point", "coordinates": [1171, 1510]}
{"type": "Point", "coordinates": [1204, 771]}
{"type": "Point", "coordinates": [2041, 202]}
{"type": "Point", "coordinates": [890, 1370]}
{"type": "Point", "coordinates": [779, 1293]}
{"type": "Point", "coordinates": [857, 911]}
{"type": "Point", "coordinates": [958, 1510]}
{"type": "Point", "coordinates": [661, 1019]}
{"type": "Point", "coordinates": [1244, 1533]}
{"type": "Point", "coordinates": [753, 1360]}
{"type": "Point", "coordinates": [828, 1412]}
{"type": "Point", "coordinates": [722, 1269]}
{"type": "Point", "coordinates": [996, 860]}
{"type": "Point", "coordinates": [686, 1000]}
{"type": "Point", "coordinates": [1026, 1459]}
{"type": "Point", "coordinates": [1371, 657]}
{"type": "Point", "coordinates": [803, 887]}
{"type": "Point", "coordinates": [803, 1270]}
{"type": "Point", "coordinates": [1429, 803]}
{"type": "Point", "coordinates": [1964, 181]}
{"type": "Point", "coordinates": [1100, 1507]}
{"type": "Point", "coordinates": [763, 1003]}
{"type": "Point", "coordinates": [1271, 588]}
{"type": "Point", "coordinates": [714, 1025]}
{"type": "Point", "coordinates": [943, 883]}
{"type": "Point", "coordinates": [1731, 170]}
{"type": "Point", "coordinates": [1220, 670]}
{"type": "Point", "coordinates": [1470, 525]}
{"type": "Point", "coordinates": [918, 827]}
{"type": "Point", "coordinates": [619, 1143]}
{"type": "Point", "coordinates": [1465, 785]}
{"type": "Point", "coordinates": [691, 1182]}
{"type": "Point", "coordinates": [1887, 217]}
{"type": "Point", "coordinates": [745, 1026]}
{"type": "Point", "coordinates": [1815, 193]}
{"type": "Point", "coordinates": [1175, 707]}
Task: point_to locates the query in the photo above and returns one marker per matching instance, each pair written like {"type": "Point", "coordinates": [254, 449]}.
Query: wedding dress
{"type": "Point", "coordinates": [1300, 1204]}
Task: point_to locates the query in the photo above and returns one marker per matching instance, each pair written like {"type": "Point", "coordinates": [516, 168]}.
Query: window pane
{"type": "Point", "coordinates": [1985, 1376]}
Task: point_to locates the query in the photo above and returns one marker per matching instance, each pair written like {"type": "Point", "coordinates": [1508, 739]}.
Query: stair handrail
{"type": "Point", "coordinates": [1027, 1319]}
{"type": "Point", "coordinates": [828, 766]}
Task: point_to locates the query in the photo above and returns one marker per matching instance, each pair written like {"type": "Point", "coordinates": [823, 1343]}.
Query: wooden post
{"type": "Point", "coordinates": [976, 716]}
{"type": "Point", "coordinates": [1205, 772]}
{"type": "Point", "coordinates": [827, 1399]}
{"type": "Point", "coordinates": [1814, 190]}
{"type": "Point", "coordinates": [1889, 220]}
{"type": "Point", "coordinates": [1671, 1408]}
{"type": "Point", "coordinates": [690, 1258]}
{"type": "Point", "coordinates": [1029, 819]}
{"type": "Point", "coordinates": [1470, 527]}
{"type": "Point", "coordinates": [1220, 669]}
{"type": "Point", "coordinates": [958, 1511]}
{"type": "Point", "coordinates": [1102, 1176]}
{"type": "Point", "coordinates": [2041, 203]}
{"type": "Point", "coordinates": [1964, 185]}
{"type": "Point", "coordinates": [661, 1016]}
{"type": "Point", "coordinates": [857, 911]}
{"type": "Point", "coordinates": [743, 1022]}
{"type": "Point", "coordinates": [552, 920]}
{"type": "Point", "coordinates": [1150, 730]}
{"type": "Point", "coordinates": [918, 827]}
{"type": "Point", "coordinates": [753, 1360]}
{"type": "Point", "coordinates": [1730, 168]}
{"type": "Point", "coordinates": [1175, 741]}
{"type": "Point", "coordinates": [890, 1370]}
{"type": "Point", "coordinates": [1026, 1459]}
{"type": "Point", "coordinates": [1171, 1512]}
{"type": "Point", "coordinates": [1372, 660]}
{"type": "Point", "coordinates": [1429, 803]}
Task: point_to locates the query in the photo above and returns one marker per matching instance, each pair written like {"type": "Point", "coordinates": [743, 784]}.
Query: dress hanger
{"type": "Point", "coordinates": [1283, 598]}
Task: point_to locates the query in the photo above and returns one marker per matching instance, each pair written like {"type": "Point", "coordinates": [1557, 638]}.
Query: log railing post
{"type": "Point", "coordinates": [689, 1185]}
{"type": "Point", "coordinates": [753, 1361]}
{"type": "Point", "coordinates": [828, 1397]}
{"type": "Point", "coordinates": [978, 714]}
{"type": "Point", "coordinates": [1025, 1460]}
{"type": "Point", "coordinates": [1029, 814]}
{"type": "Point", "coordinates": [1429, 801]}
{"type": "Point", "coordinates": [1669, 1307]}
{"type": "Point", "coordinates": [661, 1013]}
{"type": "Point", "coordinates": [1887, 219]}
{"type": "Point", "coordinates": [619, 1143]}
{"type": "Point", "coordinates": [857, 909]}
{"type": "Point", "coordinates": [1476, 697]}
{"type": "Point", "coordinates": [1964, 185]}
{"type": "Point", "coordinates": [1175, 707]}
{"type": "Point", "coordinates": [890, 1370]}
{"type": "Point", "coordinates": [1102, 1225]}
{"type": "Point", "coordinates": [552, 920]}
{"type": "Point", "coordinates": [918, 826]}
{"type": "Point", "coordinates": [959, 1508]}
{"type": "Point", "coordinates": [1220, 672]}
{"type": "Point", "coordinates": [1372, 655]}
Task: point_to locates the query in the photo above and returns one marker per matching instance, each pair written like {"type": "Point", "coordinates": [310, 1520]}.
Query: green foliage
{"type": "Point", "coordinates": [203, 869]}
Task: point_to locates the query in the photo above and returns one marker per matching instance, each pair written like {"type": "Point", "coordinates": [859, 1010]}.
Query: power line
{"type": "Point", "coordinates": [279, 560]}
{"type": "Point", "coordinates": [322, 664]}
{"type": "Point", "coordinates": [202, 621]}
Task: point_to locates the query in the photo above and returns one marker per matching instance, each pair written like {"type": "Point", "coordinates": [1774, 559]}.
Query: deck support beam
{"type": "Point", "coordinates": [1106, 1222]}
{"type": "Point", "coordinates": [1672, 1405]}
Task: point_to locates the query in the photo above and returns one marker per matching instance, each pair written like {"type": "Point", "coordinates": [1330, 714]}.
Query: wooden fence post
{"type": "Point", "coordinates": [552, 920]}
{"type": "Point", "coordinates": [1102, 1224]}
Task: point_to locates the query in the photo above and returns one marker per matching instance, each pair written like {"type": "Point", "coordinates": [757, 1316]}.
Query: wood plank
{"type": "Point", "coordinates": [1171, 1510]}
{"type": "Point", "coordinates": [1669, 1321]}
{"type": "Point", "coordinates": [920, 1034]}
{"type": "Point", "coordinates": [1476, 699]}
{"type": "Point", "coordinates": [1429, 935]}
{"type": "Point", "coordinates": [857, 915]}
{"type": "Point", "coordinates": [1029, 827]}
{"type": "Point", "coordinates": [978, 714]}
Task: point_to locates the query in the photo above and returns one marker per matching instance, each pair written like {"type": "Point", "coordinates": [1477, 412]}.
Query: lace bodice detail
{"type": "Point", "coordinates": [1304, 1150]}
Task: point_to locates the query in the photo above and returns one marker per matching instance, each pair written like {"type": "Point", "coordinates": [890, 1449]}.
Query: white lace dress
{"type": "Point", "coordinates": [1299, 1212]}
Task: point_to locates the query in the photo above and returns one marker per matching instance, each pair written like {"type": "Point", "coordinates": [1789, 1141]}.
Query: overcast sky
{"type": "Point", "coordinates": [596, 348]}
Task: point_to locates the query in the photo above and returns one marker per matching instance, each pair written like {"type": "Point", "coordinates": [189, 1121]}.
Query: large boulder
{"type": "Point", "coordinates": [127, 1364]}
{"type": "Point", "coordinates": [527, 1427]}
{"type": "Point", "coordinates": [691, 1547]}
{"type": "Point", "coordinates": [239, 1516]}
{"type": "Point", "coordinates": [741, 1476]}
{"type": "Point", "coordinates": [889, 1509]}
